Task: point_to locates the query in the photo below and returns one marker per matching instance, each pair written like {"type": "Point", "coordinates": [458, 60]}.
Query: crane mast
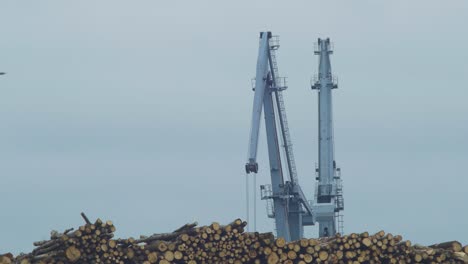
{"type": "Point", "coordinates": [328, 198]}
{"type": "Point", "coordinates": [286, 201]}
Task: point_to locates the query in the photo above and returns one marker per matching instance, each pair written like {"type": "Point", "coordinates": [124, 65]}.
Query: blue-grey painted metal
{"type": "Point", "coordinates": [295, 219]}
{"type": "Point", "coordinates": [263, 97]}
{"type": "Point", "coordinates": [276, 171]}
{"type": "Point", "coordinates": [328, 199]}
{"type": "Point", "coordinates": [288, 203]}
{"type": "Point", "coordinates": [296, 198]}
{"type": "Point", "coordinates": [260, 81]}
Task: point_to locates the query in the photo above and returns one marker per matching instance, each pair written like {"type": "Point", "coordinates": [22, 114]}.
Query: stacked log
{"type": "Point", "coordinates": [94, 243]}
{"type": "Point", "coordinates": [87, 243]}
{"type": "Point", "coordinates": [6, 258]}
{"type": "Point", "coordinates": [365, 248]}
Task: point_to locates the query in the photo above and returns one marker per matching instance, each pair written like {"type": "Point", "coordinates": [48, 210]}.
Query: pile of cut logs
{"type": "Point", "coordinates": [94, 243]}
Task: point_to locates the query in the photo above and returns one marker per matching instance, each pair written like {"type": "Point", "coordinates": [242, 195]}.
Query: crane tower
{"type": "Point", "coordinates": [286, 202]}
{"type": "Point", "coordinates": [329, 193]}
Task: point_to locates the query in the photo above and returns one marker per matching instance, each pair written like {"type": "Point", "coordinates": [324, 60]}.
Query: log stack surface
{"type": "Point", "coordinates": [95, 243]}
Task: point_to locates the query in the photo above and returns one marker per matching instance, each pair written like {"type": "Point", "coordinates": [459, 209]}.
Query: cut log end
{"type": "Point", "coordinates": [72, 254]}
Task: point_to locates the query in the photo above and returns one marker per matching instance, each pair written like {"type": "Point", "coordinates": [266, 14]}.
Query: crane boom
{"type": "Point", "coordinates": [260, 85]}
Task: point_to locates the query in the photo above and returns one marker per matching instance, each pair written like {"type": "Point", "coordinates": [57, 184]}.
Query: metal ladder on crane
{"type": "Point", "coordinates": [339, 201]}
{"type": "Point", "coordinates": [279, 86]}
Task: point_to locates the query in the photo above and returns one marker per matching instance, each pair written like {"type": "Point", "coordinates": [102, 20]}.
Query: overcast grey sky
{"type": "Point", "coordinates": [139, 111]}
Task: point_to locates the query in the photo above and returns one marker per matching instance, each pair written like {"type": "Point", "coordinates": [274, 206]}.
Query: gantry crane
{"type": "Point", "coordinates": [286, 202]}
{"type": "Point", "coordinates": [289, 206]}
{"type": "Point", "coordinates": [328, 201]}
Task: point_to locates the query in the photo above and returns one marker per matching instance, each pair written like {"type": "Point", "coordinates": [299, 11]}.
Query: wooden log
{"type": "Point", "coordinates": [292, 255]}
{"type": "Point", "coordinates": [152, 257]}
{"type": "Point", "coordinates": [166, 236]}
{"type": "Point", "coordinates": [72, 253]}
{"type": "Point", "coordinates": [462, 256]}
{"type": "Point", "coordinates": [308, 258]}
{"type": "Point", "coordinates": [43, 250]}
{"type": "Point", "coordinates": [6, 259]}
{"type": "Point", "coordinates": [323, 255]}
{"type": "Point", "coordinates": [85, 218]}
{"type": "Point", "coordinates": [366, 242]}
{"type": "Point", "coordinates": [186, 227]}
{"type": "Point", "coordinates": [273, 258]}
{"type": "Point", "coordinates": [455, 246]}
{"type": "Point", "coordinates": [25, 261]}
{"type": "Point", "coordinates": [280, 242]}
